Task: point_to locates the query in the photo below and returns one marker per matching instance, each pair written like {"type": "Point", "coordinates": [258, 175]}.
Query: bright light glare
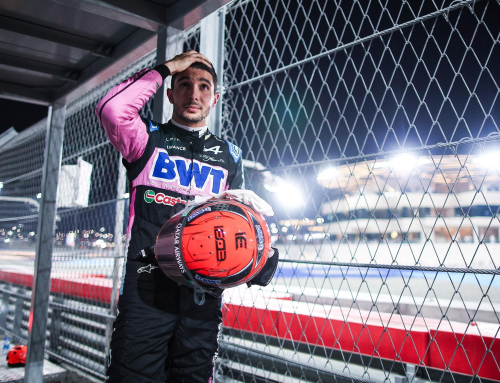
{"type": "Point", "coordinates": [39, 195]}
{"type": "Point", "coordinates": [100, 243]}
{"type": "Point", "coordinates": [287, 193]}
{"type": "Point", "coordinates": [327, 174]}
{"type": "Point", "coordinates": [126, 195]}
{"type": "Point", "coordinates": [489, 159]}
{"type": "Point", "coordinates": [1, 185]}
{"type": "Point", "coordinates": [407, 162]}
{"type": "Point", "coordinates": [380, 164]}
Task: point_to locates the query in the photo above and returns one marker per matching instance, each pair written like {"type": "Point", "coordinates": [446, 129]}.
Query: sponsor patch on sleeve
{"type": "Point", "coordinates": [152, 126]}
{"type": "Point", "coordinates": [234, 151]}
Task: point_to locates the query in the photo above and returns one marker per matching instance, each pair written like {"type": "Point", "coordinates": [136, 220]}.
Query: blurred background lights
{"type": "Point", "coordinates": [287, 193]}
{"type": "Point", "coordinates": [327, 174]}
{"type": "Point", "coordinates": [407, 162]}
{"type": "Point", "coordinates": [488, 159]}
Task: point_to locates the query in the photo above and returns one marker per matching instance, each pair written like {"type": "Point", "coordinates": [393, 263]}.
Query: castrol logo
{"type": "Point", "coordinates": [150, 196]}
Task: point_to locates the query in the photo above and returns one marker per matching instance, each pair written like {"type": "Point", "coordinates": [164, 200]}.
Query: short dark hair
{"type": "Point", "coordinates": [199, 65]}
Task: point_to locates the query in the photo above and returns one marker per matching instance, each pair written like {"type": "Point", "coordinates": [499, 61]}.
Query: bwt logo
{"type": "Point", "coordinates": [220, 243]}
{"type": "Point", "coordinates": [240, 240]}
{"type": "Point", "coordinates": [184, 171]}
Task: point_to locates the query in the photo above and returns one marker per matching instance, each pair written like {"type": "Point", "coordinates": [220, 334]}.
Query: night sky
{"type": "Point", "coordinates": [20, 115]}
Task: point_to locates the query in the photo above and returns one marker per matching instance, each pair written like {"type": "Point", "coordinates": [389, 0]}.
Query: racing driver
{"type": "Point", "coordinates": [160, 334]}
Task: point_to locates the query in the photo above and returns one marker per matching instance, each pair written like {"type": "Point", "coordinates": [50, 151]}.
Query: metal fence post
{"type": "Point", "coordinates": [212, 46]}
{"type": "Point", "coordinates": [43, 261]}
{"type": "Point", "coordinates": [55, 325]}
{"type": "Point", "coordinates": [4, 309]}
{"type": "Point", "coordinates": [170, 43]}
{"type": "Point", "coordinates": [18, 317]}
{"type": "Point", "coordinates": [118, 249]}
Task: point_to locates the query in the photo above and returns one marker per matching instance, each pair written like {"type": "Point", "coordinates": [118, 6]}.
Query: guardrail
{"type": "Point", "coordinates": [257, 326]}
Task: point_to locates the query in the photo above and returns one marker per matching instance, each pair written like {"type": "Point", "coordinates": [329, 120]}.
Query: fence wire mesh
{"type": "Point", "coordinates": [372, 128]}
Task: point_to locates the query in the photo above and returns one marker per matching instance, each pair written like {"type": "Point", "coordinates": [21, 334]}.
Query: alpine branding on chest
{"type": "Point", "coordinates": [214, 149]}
{"type": "Point", "coordinates": [184, 175]}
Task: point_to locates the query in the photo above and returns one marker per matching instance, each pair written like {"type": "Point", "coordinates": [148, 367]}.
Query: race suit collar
{"type": "Point", "coordinates": [200, 130]}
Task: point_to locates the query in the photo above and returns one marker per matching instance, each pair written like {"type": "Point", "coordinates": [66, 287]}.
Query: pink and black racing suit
{"type": "Point", "coordinates": [160, 334]}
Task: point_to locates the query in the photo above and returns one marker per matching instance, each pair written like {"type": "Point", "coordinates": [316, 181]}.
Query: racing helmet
{"type": "Point", "coordinates": [213, 245]}
{"type": "Point", "coordinates": [17, 356]}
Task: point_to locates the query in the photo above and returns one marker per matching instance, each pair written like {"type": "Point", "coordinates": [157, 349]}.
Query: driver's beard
{"type": "Point", "coordinates": [188, 118]}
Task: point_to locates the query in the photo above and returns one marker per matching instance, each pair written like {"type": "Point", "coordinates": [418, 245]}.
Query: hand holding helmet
{"type": "Point", "coordinates": [247, 197]}
{"type": "Point", "coordinates": [213, 245]}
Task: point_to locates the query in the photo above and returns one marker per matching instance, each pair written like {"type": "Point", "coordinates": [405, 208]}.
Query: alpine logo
{"type": "Point", "coordinates": [181, 174]}
{"type": "Point", "coordinates": [162, 199]}
{"type": "Point", "coordinates": [213, 149]}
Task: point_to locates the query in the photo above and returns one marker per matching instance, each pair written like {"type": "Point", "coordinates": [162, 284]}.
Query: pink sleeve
{"type": "Point", "coordinates": [118, 112]}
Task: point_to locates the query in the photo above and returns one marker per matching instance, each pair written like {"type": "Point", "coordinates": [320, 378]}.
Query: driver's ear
{"type": "Point", "coordinates": [169, 95]}
{"type": "Point", "coordinates": [216, 98]}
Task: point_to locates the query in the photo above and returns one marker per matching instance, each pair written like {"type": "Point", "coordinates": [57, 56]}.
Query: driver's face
{"type": "Point", "coordinates": [193, 97]}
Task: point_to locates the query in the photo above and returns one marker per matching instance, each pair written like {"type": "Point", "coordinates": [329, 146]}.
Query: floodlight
{"type": "Point", "coordinates": [289, 195]}
{"type": "Point", "coordinates": [407, 162]}
{"type": "Point", "coordinates": [327, 174]}
{"type": "Point", "coordinates": [489, 159]}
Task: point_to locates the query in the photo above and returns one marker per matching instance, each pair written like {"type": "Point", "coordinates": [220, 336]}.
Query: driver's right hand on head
{"type": "Point", "coordinates": [183, 61]}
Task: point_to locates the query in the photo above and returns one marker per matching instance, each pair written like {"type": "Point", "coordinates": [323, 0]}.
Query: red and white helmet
{"type": "Point", "coordinates": [214, 245]}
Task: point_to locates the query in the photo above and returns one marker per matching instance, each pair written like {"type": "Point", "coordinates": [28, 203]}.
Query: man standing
{"type": "Point", "coordinates": [160, 333]}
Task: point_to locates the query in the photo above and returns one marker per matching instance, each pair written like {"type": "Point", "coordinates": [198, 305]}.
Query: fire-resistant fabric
{"type": "Point", "coordinates": [166, 165]}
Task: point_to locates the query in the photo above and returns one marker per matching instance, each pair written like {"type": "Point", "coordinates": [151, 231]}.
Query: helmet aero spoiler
{"type": "Point", "coordinates": [212, 246]}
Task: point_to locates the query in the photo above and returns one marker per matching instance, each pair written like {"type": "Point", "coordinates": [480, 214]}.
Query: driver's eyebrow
{"type": "Point", "coordinates": [205, 80]}
{"type": "Point", "coordinates": [183, 78]}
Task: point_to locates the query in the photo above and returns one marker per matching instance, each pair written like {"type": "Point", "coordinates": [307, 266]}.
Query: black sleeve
{"type": "Point", "coordinates": [238, 181]}
{"type": "Point", "coordinates": [162, 70]}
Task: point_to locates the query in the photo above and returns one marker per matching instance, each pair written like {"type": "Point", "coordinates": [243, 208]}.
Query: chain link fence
{"type": "Point", "coordinates": [89, 243]}
{"type": "Point", "coordinates": [372, 129]}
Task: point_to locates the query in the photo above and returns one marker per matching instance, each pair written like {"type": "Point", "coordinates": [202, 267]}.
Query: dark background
{"type": "Point", "coordinates": [20, 115]}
